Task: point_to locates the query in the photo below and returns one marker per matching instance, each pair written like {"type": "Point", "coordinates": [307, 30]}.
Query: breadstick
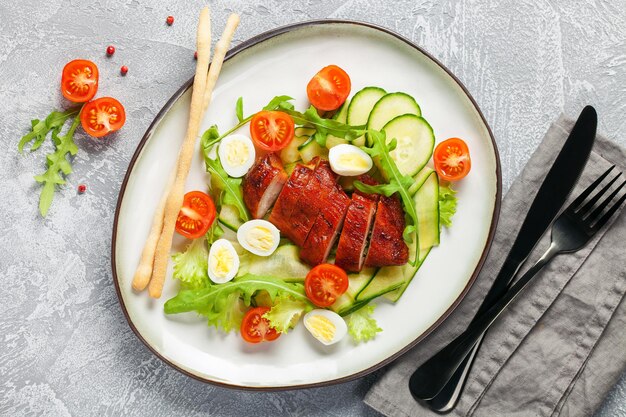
{"type": "Point", "coordinates": [144, 269]}
{"type": "Point", "coordinates": [175, 199]}
{"type": "Point", "coordinates": [221, 47]}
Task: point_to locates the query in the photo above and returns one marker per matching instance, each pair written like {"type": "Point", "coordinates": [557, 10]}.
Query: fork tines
{"type": "Point", "coordinates": [591, 215]}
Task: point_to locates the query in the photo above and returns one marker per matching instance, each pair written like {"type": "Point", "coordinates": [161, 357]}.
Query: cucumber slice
{"type": "Point", "coordinates": [229, 217]}
{"type": "Point", "coordinates": [361, 106]}
{"type": "Point", "coordinates": [284, 263]}
{"type": "Point", "coordinates": [358, 281]}
{"type": "Point", "coordinates": [419, 179]}
{"type": "Point", "coordinates": [303, 131]}
{"type": "Point", "coordinates": [312, 149]}
{"type": "Point", "coordinates": [427, 206]}
{"type": "Point", "coordinates": [290, 167]}
{"type": "Point", "coordinates": [340, 116]}
{"type": "Point", "coordinates": [290, 153]}
{"type": "Point", "coordinates": [389, 107]}
{"type": "Point", "coordinates": [387, 279]}
{"type": "Point", "coordinates": [415, 142]}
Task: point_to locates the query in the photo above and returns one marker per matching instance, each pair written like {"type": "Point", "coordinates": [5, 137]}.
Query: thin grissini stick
{"type": "Point", "coordinates": [144, 269]}
{"type": "Point", "coordinates": [221, 48]}
{"type": "Point", "coordinates": [175, 197]}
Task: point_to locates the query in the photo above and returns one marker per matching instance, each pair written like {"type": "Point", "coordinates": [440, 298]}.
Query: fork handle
{"type": "Point", "coordinates": [429, 379]}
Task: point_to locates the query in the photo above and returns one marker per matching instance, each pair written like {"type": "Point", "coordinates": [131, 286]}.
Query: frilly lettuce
{"type": "Point", "coordinates": [286, 312]}
{"type": "Point", "coordinates": [190, 266]}
{"type": "Point", "coordinates": [361, 325]}
{"type": "Point", "coordinates": [447, 204]}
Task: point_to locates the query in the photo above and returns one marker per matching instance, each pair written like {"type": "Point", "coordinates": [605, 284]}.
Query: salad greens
{"type": "Point", "coordinates": [447, 205]}
{"type": "Point", "coordinates": [40, 128]}
{"type": "Point", "coordinates": [361, 325]}
{"type": "Point", "coordinates": [191, 266]}
{"type": "Point", "coordinates": [286, 312]}
{"type": "Point", "coordinates": [229, 187]}
{"type": "Point", "coordinates": [222, 303]}
{"type": "Point", "coordinates": [397, 183]}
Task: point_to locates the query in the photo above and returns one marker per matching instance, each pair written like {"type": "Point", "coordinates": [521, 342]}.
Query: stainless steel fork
{"type": "Point", "coordinates": [571, 231]}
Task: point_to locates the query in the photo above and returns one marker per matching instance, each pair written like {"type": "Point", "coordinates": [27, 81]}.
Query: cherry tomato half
{"type": "Point", "coordinates": [452, 159]}
{"type": "Point", "coordinates": [255, 328]}
{"type": "Point", "coordinates": [329, 88]}
{"type": "Point", "coordinates": [271, 130]}
{"type": "Point", "coordinates": [325, 283]}
{"type": "Point", "coordinates": [196, 215]}
{"type": "Point", "coordinates": [79, 81]}
{"type": "Point", "coordinates": [102, 116]}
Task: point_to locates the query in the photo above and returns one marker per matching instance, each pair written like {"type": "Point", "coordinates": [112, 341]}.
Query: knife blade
{"type": "Point", "coordinates": [425, 384]}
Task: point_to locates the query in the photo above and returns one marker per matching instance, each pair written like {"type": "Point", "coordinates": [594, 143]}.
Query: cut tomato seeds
{"type": "Point", "coordinates": [110, 50]}
{"type": "Point", "coordinates": [124, 69]}
{"type": "Point", "coordinates": [169, 20]}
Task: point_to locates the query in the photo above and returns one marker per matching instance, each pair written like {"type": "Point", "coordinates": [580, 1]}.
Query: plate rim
{"type": "Point", "coordinates": [230, 54]}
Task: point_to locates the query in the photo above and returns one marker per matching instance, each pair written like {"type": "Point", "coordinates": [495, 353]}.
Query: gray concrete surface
{"type": "Point", "coordinates": [65, 348]}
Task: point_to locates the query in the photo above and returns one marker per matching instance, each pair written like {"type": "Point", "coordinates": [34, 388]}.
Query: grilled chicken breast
{"type": "Point", "coordinates": [387, 247]}
{"type": "Point", "coordinates": [326, 228]}
{"type": "Point", "coordinates": [288, 198]}
{"type": "Point", "coordinates": [357, 226]}
{"type": "Point", "coordinates": [312, 199]}
{"type": "Point", "coordinates": [262, 184]}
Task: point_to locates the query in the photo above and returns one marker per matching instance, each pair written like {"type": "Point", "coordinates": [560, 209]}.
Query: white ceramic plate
{"type": "Point", "coordinates": [281, 62]}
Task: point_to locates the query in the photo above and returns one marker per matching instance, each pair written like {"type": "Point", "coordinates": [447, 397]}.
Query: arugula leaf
{"type": "Point", "coordinates": [397, 183]}
{"type": "Point", "coordinates": [286, 312]}
{"type": "Point", "coordinates": [40, 128]}
{"type": "Point", "coordinates": [323, 127]}
{"type": "Point", "coordinates": [447, 205]}
{"type": "Point", "coordinates": [214, 233]}
{"type": "Point", "coordinates": [58, 166]}
{"type": "Point", "coordinates": [224, 304]}
{"type": "Point", "coordinates": [231, 192]}
{"type": "Point", "coordinates": [239, 109]}
{"type": "Point", "coordinates": [279, 102]}
{"type": "Point", "coordinates": [361, 325]}
{"type": "Point", "coordinates": [190, 266]}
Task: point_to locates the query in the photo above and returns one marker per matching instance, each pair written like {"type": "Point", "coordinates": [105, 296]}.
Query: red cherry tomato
{"type": "Point", "coordinates": [271, 130]}
{"type": "Point", "coordinates": [452, 159]}
{"type": "Point", "coordinates": [325, 283]}
{"type": "Point", "coordinates": [102, 116]}
{"type": "Point", "coordinates": [255, 328]}
{"type": "Point", "coordinates": [196, 215]}
{"type": "Point", "coordinates": [79, 82]}
{"type": "Point", "coordinates": [329, 88]}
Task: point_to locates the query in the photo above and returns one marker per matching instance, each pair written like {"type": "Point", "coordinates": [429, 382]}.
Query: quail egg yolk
{"type": "Point", "coordinates": [352, 160]}
{"type": "Point", "coordinates": [236, 153]}
{"type": "Point", "coordinates": [321, 328]}
{"type": "Point", "coordinates": [221, 262]}
{"type": "Point", "coordinates": [260, 238]}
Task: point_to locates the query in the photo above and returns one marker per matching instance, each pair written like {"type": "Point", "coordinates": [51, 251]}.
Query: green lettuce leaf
{"type": "Point", "coordinates": [361, 325]}
{"type": "Point", "coordinates": [190, 266]}
{"type": "Point", "coordinates": [397, 183]}
{"type": "Point", "coordinates": [447, 205]}
{"type": "Point", "coordinates": [223, 304]}
{"type": "Point", "coordinates": [286, 312]}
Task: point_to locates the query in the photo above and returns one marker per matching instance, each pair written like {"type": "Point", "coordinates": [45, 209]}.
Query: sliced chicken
{"type": "Point", "coordinates": [326, 228]}
{"type": "Point", "coordinates": [356, 229]}
{"type": "Point", "coordinates": [288, 197]}
{"type": "Point", "coordinates": [386, 244]}
{"type": "Point", "coordinates": [262, 184]}
{"type": "Point", "coordinates": [313, 199]}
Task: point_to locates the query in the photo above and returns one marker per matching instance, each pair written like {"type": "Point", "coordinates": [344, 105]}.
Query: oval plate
{"type": "Point", "coordinates": [281, 62]}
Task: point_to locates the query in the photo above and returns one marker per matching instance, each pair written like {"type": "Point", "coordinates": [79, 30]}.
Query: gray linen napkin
{"type": "Point", "coordinates": [561, 346]}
